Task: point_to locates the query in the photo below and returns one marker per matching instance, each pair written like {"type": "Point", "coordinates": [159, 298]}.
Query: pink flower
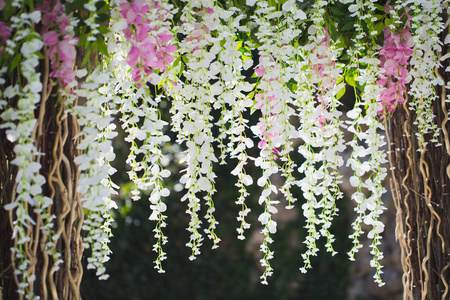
{"type": "Point", "coordinates": [209, 10]}
{"type": "Point", "coordinates": [164, 37]}
{"type": "Point", "coordinates": [394, 58]}
{"type": "Point", "coordinates": [67, 50]}
{"type": "Point", "coordinates": [61, 43]}
{"type": "Point", "coordinates": [5, 31]}
{"type": "Point", "coordinates": [50, 38]}
{"type": "Point", "coordinates": [150, 50]}
{"type": "Point", "coordinates": [259, 72]}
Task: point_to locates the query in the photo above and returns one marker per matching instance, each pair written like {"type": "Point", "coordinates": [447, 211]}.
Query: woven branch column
{"type": "Point", "coordinates": [55, 137]}
{"type": "Point", "coordinates": [421, 189]}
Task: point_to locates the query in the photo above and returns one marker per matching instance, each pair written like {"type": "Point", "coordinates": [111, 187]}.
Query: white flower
{"type": "Point", "coordinates": [31, 47]}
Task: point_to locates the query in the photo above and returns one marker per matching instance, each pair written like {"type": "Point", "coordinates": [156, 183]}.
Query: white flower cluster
{"type": "Point", "coordinates": [141, 121]}
{"type": "Point", "coordinates": [94, 184]}
{"type": "Point", "coordinates": [366, 127]}
{"type": "Point", "coordinates": [195, 98]}
{"type": "Point", "coordinates": [232, 97]}
{"type": "Point", "coordinates": [320, 129]}
{"type": "Point", "coordinates": [273, 98]}
{"type": "Point", "coordinates": [90, 21]}
{"type": "Point", "coordinates": [19, 123]}
{"type": "Point", "coordinates": [426, 26]}
{"type": "Point", "coordinates": [368, 155]}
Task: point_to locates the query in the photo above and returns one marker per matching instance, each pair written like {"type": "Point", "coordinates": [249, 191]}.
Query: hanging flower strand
{"type": "Point", "coordinates": [19, 122]}
{"type": "Point", "coordinates": [367, 141]}
{"type": "Point", "coordinates": [426, 25]}
{"type": "Point", "coordinates": [191, 107]}
{"type": "Point", "coordinates": [230, 90]}
{"type": "Point", "coordinates": [141, 39]}
{"type": "Point", "coordinates": [394, 57]}
{"type": "Point", "coordinates": [320, 129]}
{"type": "Point", "coordinates": [59, 36]}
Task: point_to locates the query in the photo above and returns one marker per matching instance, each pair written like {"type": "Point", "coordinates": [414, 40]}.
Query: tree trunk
{"type": "Point", "coordinates": [421, 188]}
{"type": "Point", "coordinates": [54, 137]}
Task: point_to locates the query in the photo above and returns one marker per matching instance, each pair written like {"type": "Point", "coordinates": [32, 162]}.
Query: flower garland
{"type": "Point", "coordinates": [275, 101]}
{"type": "Point", "coordinates": [192, 104]}
{"type": "Point", "coordinates": [133, 70]}
{"type": "Point", "coordinates": [426, 25]}
{"type": "Point", "coordinates": [19, 123]}
{"type": "Point", "coordinates": [365, 123]}
{"type": "Point", "coordinates": [320, 129]}
{"type": "Point", "coordinates": [230, 91]}
{"type": "Point", "coordinates": [94, 183]}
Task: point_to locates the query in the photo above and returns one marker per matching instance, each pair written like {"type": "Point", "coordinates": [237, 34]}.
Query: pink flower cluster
{"type": "Point", "coordinates": [5, 33]}
{"type": "Point", "coordinates": [323, 63]}
{"type": "Point", "coordinates": [150, 49]}
{"type": "Point", "coordinates": [60, 41]}
{"type": "Point", "coordinates": [321, 66]}
{"type": "Point", "coordinates": [266, 134]}
{"type": "Point", "coordinates": [394, 58]}
{"type": "Point", "coordinates": [266, 102]}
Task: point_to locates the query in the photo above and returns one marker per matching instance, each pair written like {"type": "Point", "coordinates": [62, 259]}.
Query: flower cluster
{"type": "Point", "coordinates": [368, 155]}
{"type": "Point", "coordinates": [59, 36]}
{"type": "Point", "coordinates": [321, 132]}
{"type": "Point", "coordinates": [140, 116]}
{"type": "Point", "coordinates": [94, 183]}
{"type": "Point", "coordinates": [192, 105]}
{"type": "Point", "coordinates": [394, 58]}
{"type": "Point", "coordinates": [275, 100]}
{"type": "Point", "coordinates": [5, 33]}
{"type": "Point", "coordinates": [150, 41]}
{"type": "Point", "coordinates": [19, 124]}
{"type": "Point", "coordinates": [426, 25]}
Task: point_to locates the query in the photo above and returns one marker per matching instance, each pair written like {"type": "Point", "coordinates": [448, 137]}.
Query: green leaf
{"type": "Point", "coordinates": [102, 17]}
{"type": "Point", "coordinates": [333, 32]}
{"type": "Point", "coordinates": [350, 77]}
{"type": "Point", "coordinates": [388, 22]}
{"type": "Point", "coordinates": [380, 7]}
{"type": "Point", "coordinates": [176, 62]}
{"type": "Point", "coordinates": [342, 43]}
{"type": "Point", "coordinates": [102, 46]}
{"type": "Point", "coordinates": [347, 26]}
{"type": "Point", "coordinates": [8, 10]}
{"type": "Point", "coordinates": [15, 61]}
{"type": "Point", "coordinates": [338, 11]}
{"type": "Point", "coordinates": [87, 56]}
{"type": "Point", "coordinates": [251, 94]}
{"type": "Point", "coordinates": [379, 27]}
{"type": "Point", "coordinates": [103, 29]}
{"type": "Point", "coordinates": [182, 69]}
{"type": "Point", "coordinates": [379, 17]}
{"type": "Point", "coordinates": [75, 5]}
{"type": "Point", "coordinates": [30, 4]}
{"type": "Point", "coordinates": [340, 93]}
{"type": "Point", "coordinates": [100, 4]}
